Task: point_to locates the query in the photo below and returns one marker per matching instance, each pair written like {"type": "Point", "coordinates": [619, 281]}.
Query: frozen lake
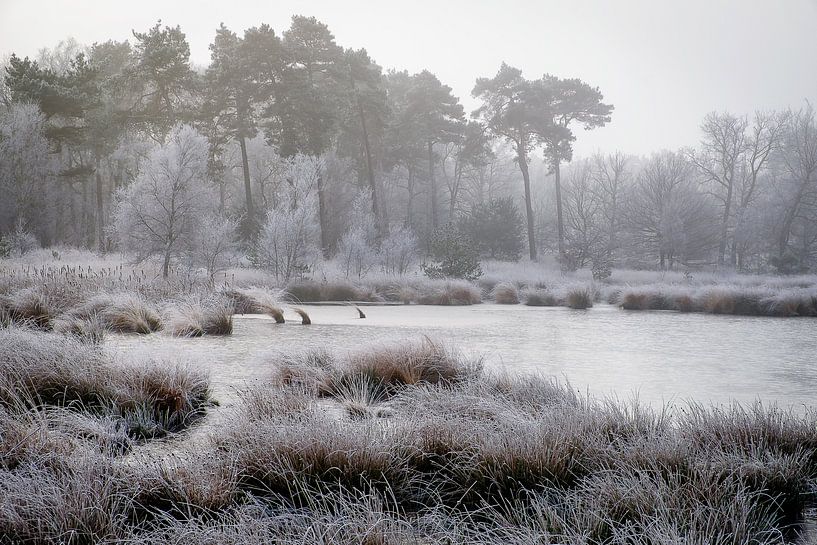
{"type": "Point", "coordinates": [657, 356]}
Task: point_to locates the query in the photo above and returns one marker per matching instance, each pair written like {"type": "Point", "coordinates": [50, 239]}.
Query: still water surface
{"type": "Point", "coordinates": [660, 357]}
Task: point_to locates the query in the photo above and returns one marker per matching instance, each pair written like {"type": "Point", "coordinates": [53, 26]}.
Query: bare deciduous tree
{"type": "Point", "coordinates": [161, 212]}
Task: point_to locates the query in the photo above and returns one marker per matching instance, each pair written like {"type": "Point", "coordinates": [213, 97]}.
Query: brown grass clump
{"type": "Point", "coordinates": [718, 302]}
{"type": "Point", "coordinates": [341, 291]}
{"type": "Point", "coordinates": [91, 329]}
{"type": "Point", "coordinates": [257, 301]}
{"type": "Point", "coordinates": [192, 486]}
{"type": "Point", "coordinates": [305, 319]}
{"type": "Point", "coordinates": [30, 307]}
{"type": "Point", "coordinates": [304, 292]}
{"type": "Point", "coordinates": [506, 294]}
{"type": "Point", "coordinates": [635, 301]}
{"type": "Point", "coordinates": [120, 313]}
{"type": "Point", "coordinates": [363, 379]}
{"type": "Point", "coordinates": [685, 303]}
{"type": "Point", "coordinates": [579, 298]}
{"type": "Point", "coordinates": [337, 290]}
{"type": "Point", "coordinates": [541, 298]}
{"type": "Point", "coordinates": [198, 317]}
{"type": "Point", "coordinates": [450, 293]}
{"type": "Point", "coordinates": [382, 370]}
{"type": "Point", "coordinates": [791, 303]}
{"type": "Point", "coordinates": [151, 398]}
{"type": "Point", "coordinates": [76, 501]}
{"type": "Point", "coordinates": [277, 314]}
{"type": "Point", "coordinates": [131, 314]}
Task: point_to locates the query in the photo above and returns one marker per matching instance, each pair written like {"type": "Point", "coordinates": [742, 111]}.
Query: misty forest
{"type": "Point", "coordinates": [291, 296]}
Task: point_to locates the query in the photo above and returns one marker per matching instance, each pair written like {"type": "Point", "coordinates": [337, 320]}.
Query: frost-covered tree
{"type": "Point", "coordinates": [288, 242]}
{"type": "Point", "coordinates": [162, 212]}
{"type": "Point", "coordinates": [18, 242]}
{"type": "Point", "coordinates": [584, 232]}
{"type": "Point", "coordinates": [453, 255]}
{"type": "Point", "coordinates": [214, 245]}
{"type": "Point", "coordinates": [26, 168]}
{"type": "Point", "coordinates": [496, 229]}
{"type": "Point", "coordinates": [666, 213]}
{"type": "Point", "coordinates": [356, 251]}
{"type": "Point", "coordinates": [799, 197]}
{"type": "Point", "coordinates": [398, 251]}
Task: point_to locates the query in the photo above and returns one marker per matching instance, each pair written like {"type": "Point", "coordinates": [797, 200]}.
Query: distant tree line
{"type": "Point", "coordinates": [292, 150]}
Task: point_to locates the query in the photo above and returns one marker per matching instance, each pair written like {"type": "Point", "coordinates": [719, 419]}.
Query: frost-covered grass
{"type": "Point", "coordinates": [147, 397]}
{"type": "Point", "coordinates": [200, 316]}
{"type": "Point", "coordinates": [403, 443]}
{"type": "Point", "coordinates": [506, 293]}
{"type": "Point", "coordinates": [42, 289]}
{"type": "Point", "coordinates": [722, 299]}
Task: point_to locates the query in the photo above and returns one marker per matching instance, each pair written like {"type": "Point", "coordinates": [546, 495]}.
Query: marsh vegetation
{"type": "Point", "coordinates": [395, 443]}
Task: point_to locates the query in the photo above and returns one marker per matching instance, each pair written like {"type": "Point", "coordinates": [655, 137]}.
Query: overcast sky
{"type": "Point", "coordinates": [663, 64]}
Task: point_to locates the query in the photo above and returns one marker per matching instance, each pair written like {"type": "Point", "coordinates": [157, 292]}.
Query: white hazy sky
{"type": "Point", "coordinates": [663, 64]}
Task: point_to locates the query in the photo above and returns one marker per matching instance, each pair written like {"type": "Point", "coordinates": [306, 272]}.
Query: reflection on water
{"type": "Point", "coordinates": [658, 356]}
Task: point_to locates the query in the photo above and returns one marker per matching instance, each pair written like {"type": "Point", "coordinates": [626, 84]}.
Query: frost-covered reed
{"type": "Point", "coordinates": [409, 442]}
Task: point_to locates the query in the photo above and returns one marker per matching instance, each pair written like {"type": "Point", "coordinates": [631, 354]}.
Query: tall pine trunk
{"type": "Point", "coordinates": [322, 216]}
{"type": "Point", "coordinates": [560, 224]}
{"type": "Point", "coordinates": [523, 166]}
{"type": "Point", "coordinates": [100, 218]}
{"type": "Point", "coordinates": [432, 187]}
{"type": "Point", "coordinates": [410, 199]}
{"type": "Point", "coordinates": [249, 225]}
{"type": "Point", "coordinates": [378, 217]}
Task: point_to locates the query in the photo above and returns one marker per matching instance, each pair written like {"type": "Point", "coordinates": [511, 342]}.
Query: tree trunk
{"type": "Point", "coordinates": [432, 187]}
{"type": "Point", "coordinates": [87, 228]}
{"type": "Point", "coordinates": [523, 166]}
{"type": "Point", "coordinates": [370, 173]}
{"type": "Point", "coordinates": [727, 206]}
{"type": "Point", "coordinates": [322, 217]}
{"type": "Point", "coordinates": [560, 225]}
{"type": "Point", "coordinates": [100, 220]}
{"type": "Point", "coordinates": [452, 204]}
{"type": "Point", "coordinates": [249, 225]}
{"type": "Point", "coordinates": [410, 200]}
{"type": "Point", "coordinates": [733, 258]}
{"type": "Point", "coordinates": [166, 262]}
